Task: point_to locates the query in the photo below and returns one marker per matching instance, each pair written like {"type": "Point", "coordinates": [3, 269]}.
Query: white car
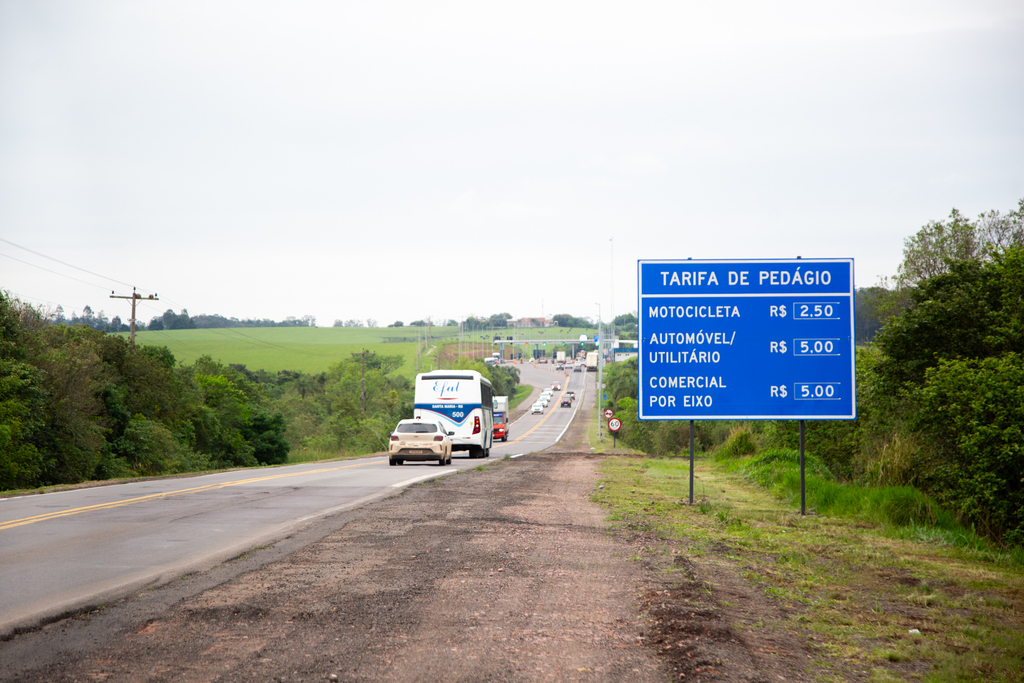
{"type": "Point", "coordinates": [544, 401]}
{"type": "Point", "coordinates": [537, 408]}
{"type": "Point", "coordinates": [420, 440]}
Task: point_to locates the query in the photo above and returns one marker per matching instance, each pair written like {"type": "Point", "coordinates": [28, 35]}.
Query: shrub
{"type": "Point", "coordinates": [740, 442]}
{"type": "Point", "coordinates": [146, 446]}
{"type": "Point", "coordinates": [972, 411]}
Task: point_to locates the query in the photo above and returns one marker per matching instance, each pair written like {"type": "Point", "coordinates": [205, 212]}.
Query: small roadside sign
{"type": "Point", "coordinates": [614, 424]}
{"type": "Point", "coordinates": [608, 412]}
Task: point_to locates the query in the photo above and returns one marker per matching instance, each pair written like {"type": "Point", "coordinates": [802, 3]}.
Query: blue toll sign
{"type": "Point", "coordinates": [752, 340]}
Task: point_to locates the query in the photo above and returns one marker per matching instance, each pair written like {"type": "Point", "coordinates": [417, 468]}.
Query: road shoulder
{"type": "Point", "coordinates": [507, 573]}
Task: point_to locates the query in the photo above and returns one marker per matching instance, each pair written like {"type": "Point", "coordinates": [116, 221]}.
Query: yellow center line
{"type": "Point", "coordinates": [542, 420]}
{"type": "Point", "coordinates": [156, 496]}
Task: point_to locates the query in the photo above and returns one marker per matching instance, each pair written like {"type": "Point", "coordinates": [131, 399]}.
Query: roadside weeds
{"type": "Point", "coordinates": [833, 599]}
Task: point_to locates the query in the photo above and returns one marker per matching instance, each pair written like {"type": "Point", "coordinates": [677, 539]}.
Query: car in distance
{"type": "Point", "coordinates": [556, 386]}
{"type": "Point", "coordinates": [577, 368]}
{"type": "Point", "coordinates": [537, 408]}
{"type": "Point", "coordinates": [567, 402]}
{"type": "Point", "coordinates": [420, 440]}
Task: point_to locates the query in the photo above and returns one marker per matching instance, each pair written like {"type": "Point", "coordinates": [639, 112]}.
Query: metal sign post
{"type": "Point", "coordinates": [614, 425]}
{"type": "Point", "coordinates": [691, 462]}
{"type": "Point", "coordinates": [803, 495]}
{"type": "Point", "coordinates": [747, 340]}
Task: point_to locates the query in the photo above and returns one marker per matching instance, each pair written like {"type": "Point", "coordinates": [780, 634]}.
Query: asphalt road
{"type": "Point", "coordinates": [68, 551]}
{"type": "Point", "coordinates": [532, 433]}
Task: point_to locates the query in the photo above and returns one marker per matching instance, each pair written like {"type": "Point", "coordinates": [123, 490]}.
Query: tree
{"type": "Point", "coordinates": [498, 320]}
{"type": "Point", "coordinates": [974, 310]}
{"type": "Point", "coordinates": [566, 320]}
{"type": "Point", "coordinates": [397, 323]}
{"type": "Point", "coordinates": [504, 378]}
{"type": "Point", "coordinates": [926, 253]}
{"type": "Point", "coordinates": [952, 370]}
{"type": "Point", "coordinates": [1001, 232]}
{"type": "Point", "coordinates": [870, 312]}
{"type": "Point", "coordinates": [929, 252]}
{"type": "Point", "coordinates": [625, 319]}
{"type": "Point", "coordinates": [265, 432]}
{"type": "Point", "coordinates": [622, 380]}
{"type": "Point", "coordinates": [973, 410]}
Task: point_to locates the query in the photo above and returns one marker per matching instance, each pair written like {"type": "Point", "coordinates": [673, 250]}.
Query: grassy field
{"type": "Point", "coordinates": [314, 349]}
{"type": "Point", "coordinates": [305, 349]}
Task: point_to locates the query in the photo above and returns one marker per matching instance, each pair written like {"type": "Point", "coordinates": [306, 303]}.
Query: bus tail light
{"type": "Point", "coordinates": [476, 424]}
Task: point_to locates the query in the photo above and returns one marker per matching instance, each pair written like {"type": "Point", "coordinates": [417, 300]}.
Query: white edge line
{"type": "Point", "coordinates": [576, 409]}
{"type": "Point", "coordinates": [432, 475]}
{"type": "Point", "coordinates": [517, 455]}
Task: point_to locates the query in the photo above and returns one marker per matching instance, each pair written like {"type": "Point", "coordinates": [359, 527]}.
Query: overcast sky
{"type": "Point", "coordinates": [404, 160]}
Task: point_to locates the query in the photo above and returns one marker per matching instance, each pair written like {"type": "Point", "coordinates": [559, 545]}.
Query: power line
{"type": "Point", "coordinates": [91, 284]}
{"type": "Point", "coordinates": [63, 263]}
{"type": "Point", "coordinates": [34, 298]}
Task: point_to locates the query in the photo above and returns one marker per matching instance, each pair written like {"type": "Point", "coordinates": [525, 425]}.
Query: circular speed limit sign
{"type": "Point", "coordinates": [614, 424]}
{"type": "Point", "coordinates": [608, 413]}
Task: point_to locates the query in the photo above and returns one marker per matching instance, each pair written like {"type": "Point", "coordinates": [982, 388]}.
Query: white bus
{"type": "Point", "coordinates": [462, 401]}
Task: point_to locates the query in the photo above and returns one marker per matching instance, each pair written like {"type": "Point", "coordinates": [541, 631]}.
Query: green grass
{"type": "Point", "coordinates": [902, 511]}
{"type": "Point", "coordinates": [306, 349]}
{"type": "Point", "coordinates": [852, 581]}
{"type": "Point", "coordinates": [314, 349]}
{"type": "Point", "coordinates": [522, 393]}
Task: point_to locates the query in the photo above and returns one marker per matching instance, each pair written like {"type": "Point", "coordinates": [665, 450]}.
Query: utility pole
{"type": "Point", "coordinates": [134, 298]}
{"type": "Point", "coordinates": [611, 278]}
{"type": "Point", "coordinates": [363, 363]}
{"type": "Point", "coordinates": [600, 372]}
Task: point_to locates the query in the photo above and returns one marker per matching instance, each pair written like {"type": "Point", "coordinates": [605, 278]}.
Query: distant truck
{"type": "Point", "coordinates": [560, 356]}
{"type": "Point", "coordinates": [591, 361]}
{"type": "Point", "coordinates": [501, 418]}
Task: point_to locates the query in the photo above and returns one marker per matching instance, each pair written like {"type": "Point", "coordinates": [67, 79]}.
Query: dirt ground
{"type": "Point", "coordinates": [508, 573]}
